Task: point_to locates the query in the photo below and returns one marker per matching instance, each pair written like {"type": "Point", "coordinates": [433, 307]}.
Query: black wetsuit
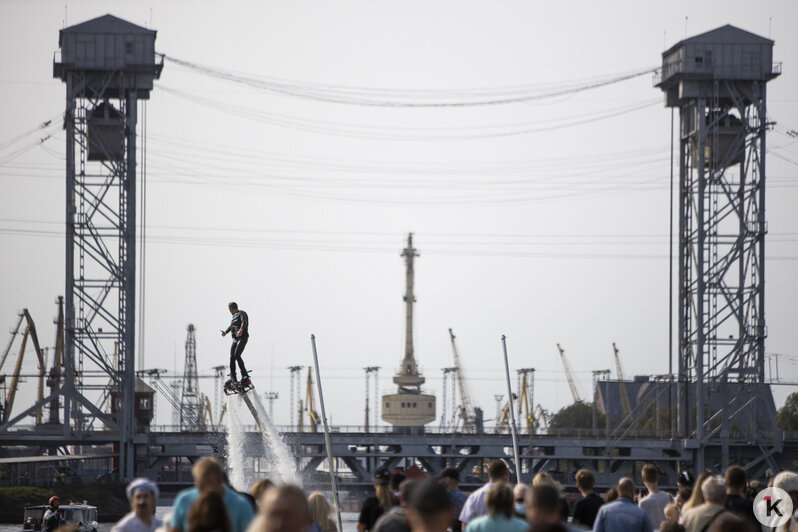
{"type": "Point", "coordinates": [240, 322]}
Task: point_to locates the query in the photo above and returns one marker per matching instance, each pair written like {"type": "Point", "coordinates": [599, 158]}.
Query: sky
{"type": "Point", "coordinates": [544, 220]}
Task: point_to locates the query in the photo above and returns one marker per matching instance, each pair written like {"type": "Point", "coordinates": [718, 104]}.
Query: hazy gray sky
{"type": "Point", "coordinates": [535, 220]}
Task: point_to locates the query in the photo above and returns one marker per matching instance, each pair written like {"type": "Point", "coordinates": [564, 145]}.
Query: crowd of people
{"type": "Point", "coordinates": [710, 503]}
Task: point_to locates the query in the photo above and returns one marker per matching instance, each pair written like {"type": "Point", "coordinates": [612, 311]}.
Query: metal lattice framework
{"type": "Point", "coordinates": [191, 402]}
{"type": "Point", "coordinates": [722, 247]}
{"type": "Point", "coordinates": [718, 81]}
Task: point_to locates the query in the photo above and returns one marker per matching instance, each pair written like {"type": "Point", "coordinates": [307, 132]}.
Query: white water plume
{"type": "Point", "coordinates": [280, 463]}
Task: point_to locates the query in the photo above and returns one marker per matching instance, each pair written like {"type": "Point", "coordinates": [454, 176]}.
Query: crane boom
{"type": "Point", "coordinates": [467, 407]}
{"type": "Point", "coordinates": [621, 383]}
{"type": "Point", "coordinates": [569, 375]}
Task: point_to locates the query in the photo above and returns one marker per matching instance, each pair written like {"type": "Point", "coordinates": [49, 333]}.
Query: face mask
{"type": "Point", "coordinates": [520, 508]}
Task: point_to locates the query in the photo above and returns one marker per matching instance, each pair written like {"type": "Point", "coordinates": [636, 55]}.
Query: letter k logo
{"type": "Point", "coordinates": [773, 506]}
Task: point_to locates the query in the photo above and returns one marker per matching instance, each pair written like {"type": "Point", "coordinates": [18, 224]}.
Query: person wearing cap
{"type": "Point", "coordinates": [450, 478]}
{"type": "Point", "coordinates": [52, 519]}
{"type": "Point", "coordinates": [375, 505]}
{"type": "Point", "coordinates": [142, 494]}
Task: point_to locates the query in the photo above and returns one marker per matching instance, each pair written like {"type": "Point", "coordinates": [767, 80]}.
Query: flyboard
{"type": "Point", "coordinates": [236, 388]}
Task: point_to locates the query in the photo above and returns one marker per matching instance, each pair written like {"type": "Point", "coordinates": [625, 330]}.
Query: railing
{"type": "Point", "coordinates": [656, 78]}
{"type": "Point", "coordinates": [583, 434]}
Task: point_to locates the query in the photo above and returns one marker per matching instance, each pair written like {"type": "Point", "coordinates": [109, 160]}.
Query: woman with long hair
{"type": "Point", "coordinates": [697, 498]}
{"type": "Point", "coordinates": [320, 510]}
{"type": "Point", "coordinates": [376, 505]}
{"type": "Point", "coordinates": [208, 514]}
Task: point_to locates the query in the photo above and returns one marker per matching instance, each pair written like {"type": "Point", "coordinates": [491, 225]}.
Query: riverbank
{"type": "Point", "coordinates": [108, 497]}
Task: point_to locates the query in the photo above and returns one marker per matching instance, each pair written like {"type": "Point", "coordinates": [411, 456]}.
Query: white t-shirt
{"type": "Point", "coordinates": [475, 504]}
{"type": "Point", "coordinates": [654, 504]}
{"type": "Point", "coordinates": [131, 523]}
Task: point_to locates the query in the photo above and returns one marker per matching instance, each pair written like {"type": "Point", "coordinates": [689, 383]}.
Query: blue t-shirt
{"type": "Point", "coordinates": [497, 523]}
{"type": "Point", "coordinates": [238, 508]}
{"type": "Point", "coordinates": [458, 499]}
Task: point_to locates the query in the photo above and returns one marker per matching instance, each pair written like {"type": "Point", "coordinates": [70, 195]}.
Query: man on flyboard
{"type": "Point", "coordinates": [239, 326]}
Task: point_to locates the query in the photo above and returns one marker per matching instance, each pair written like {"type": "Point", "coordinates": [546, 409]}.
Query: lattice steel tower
{"type": "Point", "coordinates": [108, 65]}
{"type": "Point", "coordinates": [191, 402]}
{"type": "Point", "coordinates": [718, 81]}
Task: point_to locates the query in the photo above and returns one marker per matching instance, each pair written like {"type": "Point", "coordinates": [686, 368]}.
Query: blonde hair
{"type": "Point", "coordinates": [696, 498]}
{"type": "Point", "coordinates": [544, 478]}
{"type": "Point", "coordinates": [207, 466]}
{"type": "Point", "coordinates": [320, 510]}
{"type": "Point", "coordinates": [385, 496]}
{"type": "Point", "coordinates": [259, 488]}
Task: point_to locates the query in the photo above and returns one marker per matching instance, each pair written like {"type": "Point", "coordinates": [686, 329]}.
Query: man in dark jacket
{"type": "Point", "coordinates": [736, 484]}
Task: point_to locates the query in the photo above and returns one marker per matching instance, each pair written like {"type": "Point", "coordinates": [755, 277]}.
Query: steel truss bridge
{"type": "Point", "coordinates": [166, 454]}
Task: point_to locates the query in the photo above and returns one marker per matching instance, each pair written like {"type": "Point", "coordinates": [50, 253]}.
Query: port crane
{"type": "Point", "coordinates": [569, 376]}
{"type": "Point", "coordinates": [29, 333]}
{"type": "Point", "coordinates": [313, 417]}
{"type": "Point", "coordinates": [526, 397]}
{"type": "Point", "coordinates": [627, 409]}
{"type": "Point", "coordinates": [465, 410]}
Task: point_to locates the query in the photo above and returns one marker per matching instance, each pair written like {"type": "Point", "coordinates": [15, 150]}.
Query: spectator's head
{"type": "Point", "coordinates": [626, 488]}
{"type": "Point", "coordinates": [585, 481]}
{"type": "Point", "coordinates": [259, 488]}
{"type": "Point", "coordinates": [397, 477]}
{"type": "Point", "coordinates": [672, 513]}
{"type": "Point", "coordinates": [788, 481]}
{"type": "Point", "coordinates": [543, 504]}
{"type": "Point", "coordinates": [430, 508]}
{"type": "Point", "coordinates": [683, 495]}
{"type": "Point", "coordinates": [650, 475]}
{"type": "Point", "coordinates": [382, 477]}
{"type": "Point", "coordinates": [735, 480]}
{"type": "Point", "coordinates": [320, 509]}
{"type": "Point", "coordinates": [611, 494]}
{"type": "Point", "coordinates": [545, 478]}
{"type": "Point", "coordinates": [208, 474]}
{"type": "Point", "coordinates": [143, 495]}
{"type": "Point", "coordinates": [450, 477]}
{"type": "Point", "coordinates": [208, 513]}
{"type": "Point", "coordinates": [730, 522]}
{"type": "Point", "coordinates": [685, 479]}
{"type": "Point", "coordinates": [285, 509]}
{"type": "Point", "coordinates": [519, 499]}
{"type": "Point", "coordinates": [667, 526]}
{"type": "Point", "coordinates": [697, 497]}
{"type": "Point", "coordinates": [754, 487]}
{"type": "Point", "coordinates": [406, 490]}
{"type": "Point", "coordinates": [382, 481]}
{"type": "Point", "coordinates": [498, 471]}
{"type": "Point", "coordinates": [499, 500]}
{"type": "Point", "coordinates": [714, 489]}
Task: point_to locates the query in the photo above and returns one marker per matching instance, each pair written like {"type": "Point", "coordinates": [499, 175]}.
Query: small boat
{"type": "Point", "coordinates": [81, 515]}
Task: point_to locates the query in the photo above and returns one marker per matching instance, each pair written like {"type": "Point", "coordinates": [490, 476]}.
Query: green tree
{"type": "Point", "coordinates": [787, 415]}
{"type": "Point", "coordinates": [578, 415]}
